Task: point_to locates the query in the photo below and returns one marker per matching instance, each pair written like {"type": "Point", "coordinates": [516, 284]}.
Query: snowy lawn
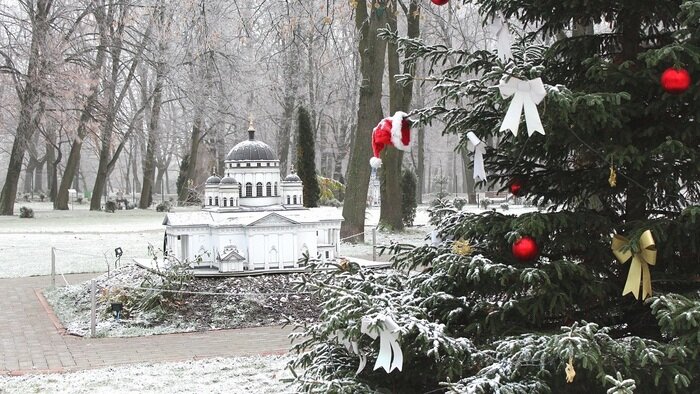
{"type": "Point", "coordinates": [244, 375]}
{"type": "Point", "coordinates": [82, 237]}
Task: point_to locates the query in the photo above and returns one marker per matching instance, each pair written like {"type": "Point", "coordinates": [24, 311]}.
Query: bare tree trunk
{"type": "Point", "coordinates": [206, 67]}
{"type": "Point", "coordinates": [290, 95]}
{"type": "Point", "coordinates": [29, 175]}
{"type": "Point", "coordinates": [195, 139]}
{"type": "Point", "coordinates": [160, 172]}
{"type": "Point", "coordinates": [98, 189]}
{"type": "Point", "coordinates": [103, 22]}
{"type": "Point", "coordinates": [107, 159]}
{"type": "Point", "coordinates": [469, 183]}
{"type": "Point", "coordinates": [31, 106]}
{"type": "Point", "coordinates": [372, 51]}
{"type": "Point", "coordinates": [51, 173]}
{"type": "Point", "coordinates": [149, 163]}
{"type": "Point", "coordinates": [127, 172]}
{"type": "Point", "coordinates": [39, 176]}
{"type": "Point", "coordinates": [399, 100]}
{"type": "Point", "coordinates": [76, 180]}
{"type": "Point", "coordinates": [135, 165]}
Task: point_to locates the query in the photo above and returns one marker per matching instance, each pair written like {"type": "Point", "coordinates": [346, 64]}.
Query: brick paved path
{"type": "Point", "coordinates": [30, 342]}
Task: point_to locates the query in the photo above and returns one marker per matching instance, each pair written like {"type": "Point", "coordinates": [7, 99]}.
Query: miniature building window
{"type": "Point", "coordinates": [224, 201]}
{"type": "Point", "coordinates": [240, 192]}
{"type": "Point", "coordinates": [238, 165]}
{"type": "Point", "coordinates": [210, 200]}
{"type": "Point", "coordinates": [295, 199]}
{"type": "Point", "coordinates": [248, 189]}
{"type": "Point", "coordinates": [287, 199]}
{"type": "Point", "coordinates": [268, 189]}
{"type": "Point", "coordinates": [247, 164]}
{"type": "Point", "coordinates": [258, 189]}
{"type": "Point", "coordinates": [268, 164]}
{"type": "Point", "coordinates": [216, 201]}
{"type": "Point", "coordinates": [276, 194]}
{"type": "Point", "coordinates": [328, 254]}
{"type": "Point", "coordinates": [259, 164]}
{"type": "Point", "coordinates": [231, 202]}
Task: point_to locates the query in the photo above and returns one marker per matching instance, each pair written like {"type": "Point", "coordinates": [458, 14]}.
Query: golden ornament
{"type": "Point", "coordinates": [462, 248]}
{"type": "Point", "coordinates": [612, 180]}
{"type": "Point", "coordinates": [570, 371]}
{"type": "Point", "coordinates": [344, 264]}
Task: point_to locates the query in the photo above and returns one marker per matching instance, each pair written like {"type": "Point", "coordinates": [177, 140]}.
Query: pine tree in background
{"type": "Point", "coordinates": [408, 197]}
{"type": "Point", "coordinates": [477, 320]}
{"type": "Point", "coordinates": [306, 159]}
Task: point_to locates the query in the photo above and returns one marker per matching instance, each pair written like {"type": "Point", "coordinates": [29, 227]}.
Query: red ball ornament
{"type": "Point", "coordinates": [440, 2]}
{"type": "Point", "coordinates": [675, 81]}
{"type": "Point", "coordinates": [525, 249]}
{"type": "Point", "coordinates": [516, 187]}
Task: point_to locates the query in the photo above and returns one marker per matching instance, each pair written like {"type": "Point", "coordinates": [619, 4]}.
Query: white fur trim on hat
{"type": "Point", "coordinates": [396, 123]}
{"type": "Point", "coordinates": [375, 162]}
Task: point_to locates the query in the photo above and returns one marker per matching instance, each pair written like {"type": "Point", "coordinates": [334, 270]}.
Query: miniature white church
{"type": "Point", "coordinates": [251, 219]}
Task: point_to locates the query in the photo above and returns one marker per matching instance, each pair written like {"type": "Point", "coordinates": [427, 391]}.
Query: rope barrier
{"type": "Point", "coordinates": [353, 236]}
{"type": "Point", "coordinates": [78, 253]}
{"type": "Point", "coordinates": [208, 292]}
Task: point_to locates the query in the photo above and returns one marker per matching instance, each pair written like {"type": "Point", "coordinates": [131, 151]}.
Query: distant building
{"type": "Point", "coordinates": [252, 219]}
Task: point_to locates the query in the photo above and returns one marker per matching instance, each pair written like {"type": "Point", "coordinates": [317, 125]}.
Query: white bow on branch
{"type": "Point", "coordinates": [526, 96]}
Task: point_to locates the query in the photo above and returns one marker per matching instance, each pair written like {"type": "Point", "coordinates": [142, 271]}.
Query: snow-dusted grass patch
{"type": "Point", "coordinates": [244, 375]}
{"type": "Point", "coordinates": [83, 238]}
{"type": "Point", "coordinates": [250, 301]}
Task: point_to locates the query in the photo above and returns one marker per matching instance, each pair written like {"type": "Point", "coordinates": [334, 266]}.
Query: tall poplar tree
{"type": "Point", "coordinates": [306, 159]}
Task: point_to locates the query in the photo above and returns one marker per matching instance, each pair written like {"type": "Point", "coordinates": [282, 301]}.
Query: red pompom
{"type": "Point", "coordinates": [516, 187]}
{"type": "Point", "coordinates": [525, 249]}
{"type": "Point", "coordinates": [675, 81]}
{"type": "Point", "coordinates": [440, 2]}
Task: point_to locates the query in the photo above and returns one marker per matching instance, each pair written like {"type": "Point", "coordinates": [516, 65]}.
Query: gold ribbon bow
{"type": "Point", "coordinates": [639, 269]}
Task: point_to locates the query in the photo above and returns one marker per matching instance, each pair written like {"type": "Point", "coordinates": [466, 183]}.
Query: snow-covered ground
{"type": "Point", "coordinates": [240, 375]}
{"type": "Point", "coordinates": [82, 238]}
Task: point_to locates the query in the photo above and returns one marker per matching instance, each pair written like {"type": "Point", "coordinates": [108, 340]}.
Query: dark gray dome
{"type": "Point", "coordinates": [228, 181]}
{"type": "Point", "coordinates": [292, 178]}
{"type": "Point", "coordinates": [251, 149]}
{"type": "Point", "coordinates": [213, 180]}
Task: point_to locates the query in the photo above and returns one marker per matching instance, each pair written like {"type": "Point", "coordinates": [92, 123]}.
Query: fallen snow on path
{"type": "Point", "coordinates": [244, 375]}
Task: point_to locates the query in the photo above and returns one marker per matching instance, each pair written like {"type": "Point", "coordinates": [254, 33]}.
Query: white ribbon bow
{"type": "Point", "coordinates": [503, 38]}
{"type": "Point", "coordinates": [353, 347]}
{"type": "Point", "coordinates": [526, 96]}
{"type": "Point", "coordinates": [390, 355]}
{"type": "Point", "coordinates": [478, 147]}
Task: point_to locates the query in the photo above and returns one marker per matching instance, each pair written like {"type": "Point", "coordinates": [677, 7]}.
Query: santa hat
{"type": "Point", "coordinates": [395, 131]}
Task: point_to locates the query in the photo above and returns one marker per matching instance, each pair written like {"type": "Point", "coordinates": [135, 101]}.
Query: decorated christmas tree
{"type": "Point", "coordinates": [600, 290]}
